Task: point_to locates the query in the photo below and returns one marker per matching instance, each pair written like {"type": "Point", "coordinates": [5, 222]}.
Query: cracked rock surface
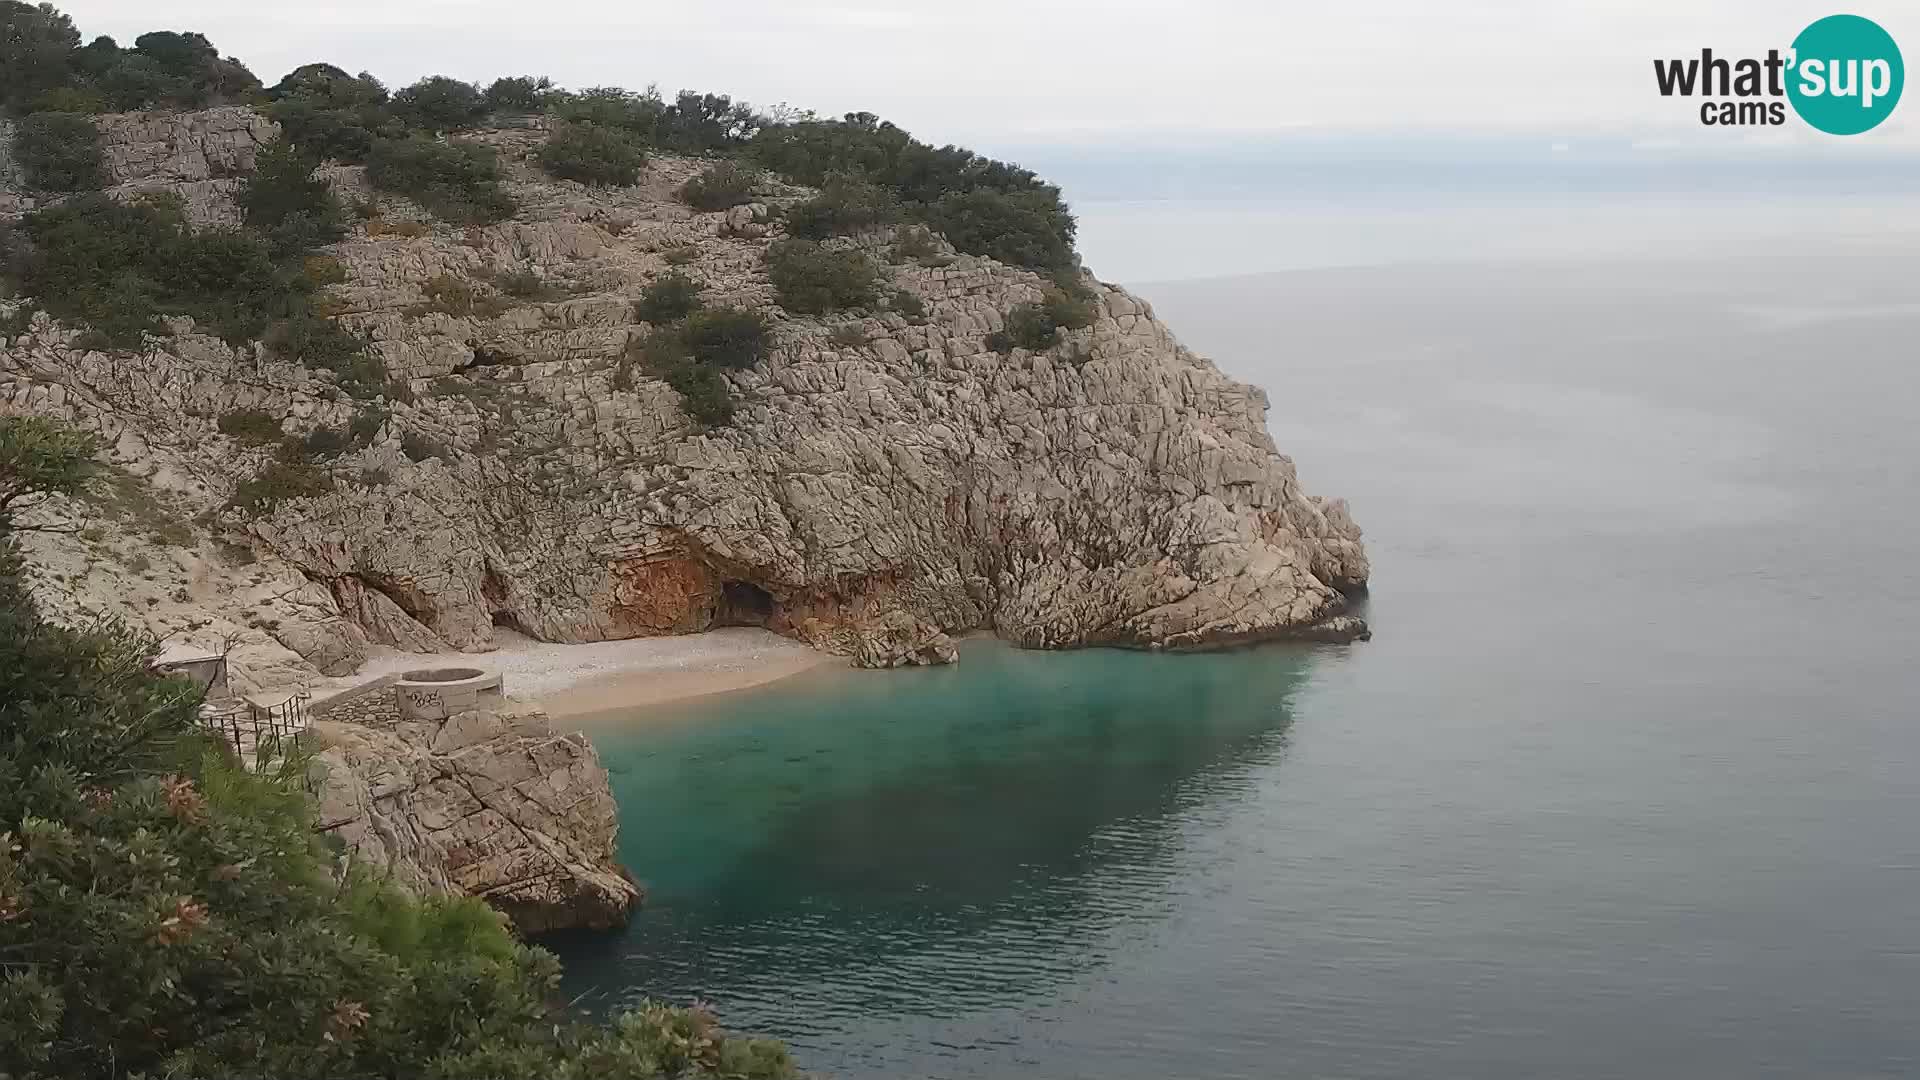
{"type": "Point", "coordinates": [493, 805]}
{"type": "Point", "coordinates": [887, 481]}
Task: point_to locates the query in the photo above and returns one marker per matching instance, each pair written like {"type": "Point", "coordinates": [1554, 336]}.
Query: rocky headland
{"type": "Point", "coordinates": [888, 479]}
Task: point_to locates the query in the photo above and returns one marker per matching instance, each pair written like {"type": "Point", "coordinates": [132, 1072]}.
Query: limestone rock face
{"type": "Point", "coordinates": [888, 480]}
{"type": "Point", "coordinates": [496, 806]}
{"type": "Point", "coordinates": [199, 156]}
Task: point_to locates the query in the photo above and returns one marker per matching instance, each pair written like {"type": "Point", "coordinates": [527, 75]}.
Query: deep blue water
{"type": "Point", "coordinates": [1626, 785]}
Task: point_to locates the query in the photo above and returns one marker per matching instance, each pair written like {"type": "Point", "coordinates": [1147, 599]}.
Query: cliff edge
{"type": "Point", "coordinates": [888, 478]}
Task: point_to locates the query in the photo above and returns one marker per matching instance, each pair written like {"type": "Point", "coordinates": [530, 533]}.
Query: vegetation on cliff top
{"type": "Point", "coordinates": [107, 268]}
{"type": "Point", "coordinates": [165, 911]}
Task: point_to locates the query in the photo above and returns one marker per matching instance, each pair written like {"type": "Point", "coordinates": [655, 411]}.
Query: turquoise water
{"type": "Point", "coordinates": [1626, 784]}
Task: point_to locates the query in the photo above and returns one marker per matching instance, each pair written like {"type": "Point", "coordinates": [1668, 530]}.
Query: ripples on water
{"type": "Point", "coordinates": [1625, 786]}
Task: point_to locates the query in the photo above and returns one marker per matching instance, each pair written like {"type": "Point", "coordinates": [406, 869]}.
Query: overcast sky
{"type": "Point", "coordinates": [1027, 72]}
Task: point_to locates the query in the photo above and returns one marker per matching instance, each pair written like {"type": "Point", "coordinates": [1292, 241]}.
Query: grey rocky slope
{"type": "Point", "coordinates": [493, 805]}
{"type": "Point", "coordinates": [886, 482]}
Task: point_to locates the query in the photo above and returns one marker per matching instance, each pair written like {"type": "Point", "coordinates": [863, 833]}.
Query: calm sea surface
{"type": "Point", "coordinates": [1626, 785]}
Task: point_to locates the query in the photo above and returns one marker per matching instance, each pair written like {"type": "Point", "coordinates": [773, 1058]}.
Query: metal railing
{"type": "Point", "coordinates": [257, 732]}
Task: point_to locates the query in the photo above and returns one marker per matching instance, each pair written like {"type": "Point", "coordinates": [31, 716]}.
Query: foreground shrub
{"type": "Point", "coordinates": [723, 186]}
{"type": "Point", "coordinates": [845, 205]}
{"type": "Point", "coordinates": [458, 183]}
{"type": "Point", "coordinates": [59, 151]}
{"type": "Point", "coordinates": [670, 298]}
{"type": "Point", "coordinates": [811, 279]}
{"type": "Point", "coordinates": [288, 204]}
{"type": "Point", "coordinates": [593, 155]}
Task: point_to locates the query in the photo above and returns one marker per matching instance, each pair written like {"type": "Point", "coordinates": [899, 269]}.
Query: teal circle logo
{"type": "Point", "coordinates": [1847, 75]}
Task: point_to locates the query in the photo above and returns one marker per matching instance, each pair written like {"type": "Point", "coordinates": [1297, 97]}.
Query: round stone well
{"type": "Point", "coordinates": [437, 693]}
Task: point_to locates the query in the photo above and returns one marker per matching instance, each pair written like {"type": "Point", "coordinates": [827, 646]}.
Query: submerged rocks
{"type": "Point", "coordinates": [493, 805]}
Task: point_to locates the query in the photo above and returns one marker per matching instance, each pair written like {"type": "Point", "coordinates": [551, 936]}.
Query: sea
{"type": "Point", "coordinates": [1626, 785]}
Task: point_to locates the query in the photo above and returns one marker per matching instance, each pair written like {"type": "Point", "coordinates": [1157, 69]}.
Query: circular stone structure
{"type": "Point", "coordinates": [437, 693]}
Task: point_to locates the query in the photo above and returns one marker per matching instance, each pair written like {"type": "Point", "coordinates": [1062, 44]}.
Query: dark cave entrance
{"type": "Point", "coordinates": [742, 603]}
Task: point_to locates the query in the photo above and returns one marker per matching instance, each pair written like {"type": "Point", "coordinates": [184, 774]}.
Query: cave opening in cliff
{"type": "Point", "coordinates": [505, 620]}
{"type": "Point", "coordinates": [742, 603]}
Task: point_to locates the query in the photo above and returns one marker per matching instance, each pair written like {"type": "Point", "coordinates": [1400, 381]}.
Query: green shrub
{"type": "Point", "coordinates": [117, 267]}
{"type": "Point", "coordinates": [325, 345]}
{"type": "Point", "coordinates": [1070, 310]}
{"type": "Point", "coordinates": [37, 51]}
{"type": "Point", "coordinates": [1027, 229]}
{"type": "Point", "coordinates": [1038, 326]}
{"type": "Point", "coordinates": [14, 259]}
{"type": "Point", "coordinates": [600, 156]}
{"type": "Point", "coordinates": [321, 442]}
{"type": "Point", "coordinates": [727, 337]}
{"type": "Point", "coordinates": [419, 447]}
{"type": "Point", "coordinates": [1030, 326]}
{"type": "Point", "coordinates": [811, 279]}
{"type": "Point", "coordinates": [519, 94]}
{"type": "Point", "coordinates": [439, 104]}
{"type": "Point", "coordinates": [324, 270]}
{"type": "Point", "coordinates": [668, 299]}
{"type": "Point", "coordinates": [846, 205]}
{"type": "Point", "coordinates": [60, 152]}
{"type": "Point", "coordinates": [71, 99]}
{"type": "Point", "coordinates": [252, 427]}
{"type": "Point", "coordinates": [704, 393]}
{"type": "Point", "coordinates": [279, 480]}
{"type": "Point", "coordinates": [283, 199]}
{"type": "Point", "coordinates": [328, 134]}
{"type": "Point", "coordinates": [985, 207]}
{"type": "Point", "coordinates": [456, 183]}
{"type": "Point", "coordinates": [915, 244]}
{"type": "Point", "coordinates": [527, 285]}
{"type": "Point", "coordinates": [699, 123]}
{"type": "Point", "coordinates": [723, 185]}
{"type": "Point", "coordinates": [909, 304]}
{"type": "Point", "coordinates": [366, 424]}
{"type": "Point", "coordinates": [450, 295]}
{"type": "Point", "coordinates": [639, 114]}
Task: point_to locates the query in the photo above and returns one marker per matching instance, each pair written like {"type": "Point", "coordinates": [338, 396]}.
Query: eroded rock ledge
{"type": "Point", "coordinates": [493, 805]}
{"type": "Point", "coordinates": [887, 481]}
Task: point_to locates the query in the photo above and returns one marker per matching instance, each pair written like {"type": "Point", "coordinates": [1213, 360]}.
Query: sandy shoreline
{"type": "Point", "coordinates": [574, 680]}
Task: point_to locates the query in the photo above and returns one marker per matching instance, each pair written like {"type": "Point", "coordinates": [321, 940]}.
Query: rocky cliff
{"type": "Point", "coordinates": [497, 806]}
{"type": "Point", "coordinates": [887, 480]}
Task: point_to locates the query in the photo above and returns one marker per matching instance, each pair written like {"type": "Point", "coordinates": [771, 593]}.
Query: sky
{"type": "Point", "coordinates": [1029, 73]}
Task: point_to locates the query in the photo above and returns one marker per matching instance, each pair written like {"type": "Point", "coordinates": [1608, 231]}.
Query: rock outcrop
{"type": "Point", "coordinates": [888, 480]}
{"type": "Point", "coordinates": [496, 806]}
